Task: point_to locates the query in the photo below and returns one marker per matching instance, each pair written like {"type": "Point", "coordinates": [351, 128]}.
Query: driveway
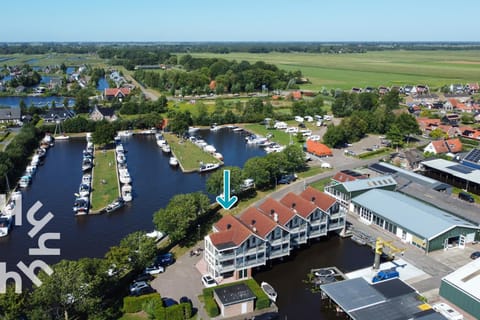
{"type": "Point", "coordinates": [182, 279]}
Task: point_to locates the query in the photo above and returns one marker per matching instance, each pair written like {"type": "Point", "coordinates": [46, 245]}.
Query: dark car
{"type": "Point", "coordinates": [168, 302]}
{"type": "Point", "coordinates": [475, 255]}
{"type": "Point", "coordinates": [301, 125]}
{"type": "Point", "coordinates": [165, 259]}
{"type": "Point", "coordinates": [287, 178]}
{"type": "Point", "coordinates": [185, 300]}
{"type": "Point", "coordinates": [466, 196]}
{"type": "Point", "coordinates": [144, 277]}
{"type": "Point", "coordinates": [141, 290]}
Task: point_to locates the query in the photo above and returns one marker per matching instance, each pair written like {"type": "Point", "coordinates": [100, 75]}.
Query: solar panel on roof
{"type": "Point", "coordinates": [473, 156]}
{"type": "Point", "coordinates": [461, 169]}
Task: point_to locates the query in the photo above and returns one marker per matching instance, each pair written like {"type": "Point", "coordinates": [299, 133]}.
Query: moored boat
{"type": "Point", "coordinates": [117, 204]}
{"type": "Point", "coordinates": [127, 193]}
{"type": "Point", "coordinates": [121, 158]}
{"type": "Point", "coordinates": [269, 291]}
{"type": "Point", "coordinates": [173, 161]}
{"type": "Point", "coordinates": [124, 176]}
{"type": "Point", "coordinates": [218, 155]}
{"type": "Point", "coordinates": [208, 167]}
{"type": "Point", "coordinates": [5, 224]}
{"type": "Point", "coordinates": [84, 190]}
{"type": "Point", "coordinates": [81, 206]}
{"type": "Point", "coordinates": [25, 181]}
{"type": "Point", "coordinates": [166, 148]}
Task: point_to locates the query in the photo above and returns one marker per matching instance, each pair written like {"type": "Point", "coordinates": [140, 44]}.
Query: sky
{"type": "Point", "coordinates": [246, 20]}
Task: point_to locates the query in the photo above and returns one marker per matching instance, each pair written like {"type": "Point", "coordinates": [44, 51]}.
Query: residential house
{"type": "Point", "coordinates": [444, 146]}
{"type": "Point", "coordinates": [10, 115]}
{"type": "Point", "coordinates": [457, 88]}
{"type": "Point", "coordinates": [296, 224]}
{"type": "Point", "coordinates": [470, 133]}
{"type": "Point", "coordinates": [383, 90]}
{"type": "Point", "coordinates": [101, 113]}
{"type": "Point", "coordinates": [424, 99]}
{"type": "Point", "coordinates": [427, 125]}
{"type": "Point", "coordinates": [265, 226]}
{"type": "Point", "coordinates": [410, 159]}
{"type": "Point", "coordinates": [473, 87]}
{"type": "Point", "coordinates": [356, 90]}
{"type": "Point", "coordinates": [57, 114]}
{"type": "Point", "coordinates": [116, 93]}
{"type": "Point", "coordinates": [297, 95]}
{"type": "Point", "coordinates": [233, 249]}
{"type": "Point", "coordinates": [421, 89]}
{"type": "Point", "coordinates": [328, 205]}
{"type": "Point", "coordinates": [461, 96]}
{"type": "Point", "coordinates": [451, 119]}
{"type": "Point", "coordinates": [308, 210]}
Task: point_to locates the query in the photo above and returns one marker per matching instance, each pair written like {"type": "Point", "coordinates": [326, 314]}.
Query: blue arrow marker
{"type": "Point", "coordinates": [226, 202]}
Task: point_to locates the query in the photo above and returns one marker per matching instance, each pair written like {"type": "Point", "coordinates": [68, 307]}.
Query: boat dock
{"type": "Point", "coordinates": [325, 275]}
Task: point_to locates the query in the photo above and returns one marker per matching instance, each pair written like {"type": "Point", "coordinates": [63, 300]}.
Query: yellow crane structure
{"type": "Point", "coordinates": [380, 244]}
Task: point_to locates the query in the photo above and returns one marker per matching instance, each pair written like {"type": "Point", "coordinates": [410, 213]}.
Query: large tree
{"type": "Point", "coordinates": [215, 181]}
{"type": "Point", "coordinates": [180, 214]}
{"type": "Point", "coordinates": [256, 169]}
{"type": "Point", "coordinates": [12, 305]}
{"type": "Point", "coordinates": [104, 133]}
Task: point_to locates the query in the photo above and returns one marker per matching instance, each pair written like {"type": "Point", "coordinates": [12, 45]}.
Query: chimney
{"type": "Point", "coordinates": [272, 212]}
{"type": "Point", "coordinates": [229, 226]}
{"type": "Point", "coordinates": [294, 205]}
{"type": "Point", "coordinates": [313, 199]}
{"type": "Point", "coordinates": [253, 222]}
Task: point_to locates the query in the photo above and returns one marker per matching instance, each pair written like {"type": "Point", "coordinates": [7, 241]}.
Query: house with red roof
{"type": "Point", "coordinates": [116, 93]}
{"type": "Point", "coordinates": [347, 175]}
{"type": "Point", "coordinates": [265, 226]}
{"type": "Point", "coordinates": [444, 146]}
{"type": "Point", "coordinates": [296, 224]}
{"type": "Point", "coordinates": [329, 207]}
{"type": "Point", "coordinates": [317, 220]}
{"type": "Point", "coordinates": [233, 249]}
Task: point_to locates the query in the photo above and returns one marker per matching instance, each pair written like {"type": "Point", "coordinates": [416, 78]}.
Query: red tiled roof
{"type": "Point", "coordinates": [321, 200]}
{"type": "Point", "coordinates": [455, 145]}
{"type": "Point", "coordinates": [473, 86]}
{"type": "Point", "coordinates": [230, 230]}
{"type": "Point", "coordinates": [270, 206]}
{"type": "Point", "coordinates": [303, 207]}
{"type": "Point", "coordinates": [318, 148]}
{"type": "Point", "coordinates": [113, 92]}
{"type": "Point", "coordinates": [343, 177]}
{"type": "Point", "coordinates": [262, 223]}
{"type": "Point", "coordinates": [428, 122]}
{"type": "Point", "coordinates": [439, 146]}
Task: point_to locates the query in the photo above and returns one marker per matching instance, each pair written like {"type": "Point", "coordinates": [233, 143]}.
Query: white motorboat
{"type": "Point", "coordinates": [119, 148]}
{"type": "Point", "coordinates": [127, 193]}
{"type": "Point", "coordinates": [237, 129]}
{"type": "Point", "coordinates": [30, 170]}
{"type": "Point", "coordinates": [208, 167]}
{"type": "Point", "coordinates": [161, 142]}
{"type": "Point", "coordinates": [124, 176]}
{"type": "Point", "coordinates": [192, 129]}
{"type": "Point", "coordinates": [209, 148]}
{"type": "Point", "coordinates": [25, 181]}
{"type": "Point", "coordinates": [274, 148]}
{"type": "Point", "coordinates": [6, 222]}
{"type": "Point", "coordinates": [121, 158]}
{"type": "Point", "coordinates": [87, 164]}
{"type": "Point", "coordinates": [218, 155]}
{"type": "Point", "coordinates": [117, 204]}
{"type": "Point", "coordinates": [125, 133]}
{"type": "Point", "coordinates": [214, 127]}
{"type": "Point", "coordinates": [81, 206]}
{"type": "Point", "coordinates": [35, 160]}
{"type": "Point", "coordinates": [201, 143]}
{"type": "Point", "coordinates": [84, 190]}
{"type": "Point", "coordinates": [166, 148]}
{"type": "Point", "coordinates": [173, 161]}
{"type": "Point", "coordinates": [87, 178]}
{"type": "Point", "coordinates": [61, 137]}
{"type": "Point", "coordinates": [156, 235]}
{"type": "Point", "coordinates": [269, 291]}
{"type": "Point", "coordinates": [89, 136]}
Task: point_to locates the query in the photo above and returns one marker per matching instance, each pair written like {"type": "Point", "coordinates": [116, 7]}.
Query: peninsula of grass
{"type": "Point", "coordinates": [279, 136]}
{"type": "Point", "coordinates": [105, 180]}
{"type": "Point", "coordinates": [188, 154]}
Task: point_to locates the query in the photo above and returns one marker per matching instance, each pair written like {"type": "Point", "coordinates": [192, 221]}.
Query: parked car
{"type": "Point", "coordinates": [208, 281]}
{"type": "Point", "coordinates": [140, 288]}
{"type": "Point", "coordinates": [287, 178]}
{"type": "Point", "coordinates": [466, 196]}
{"type": "Point", "coordinates": [165, 259]}
{"type": "Point", "coordinates": [143, 277]}
{"type": "Point", "coordinates": [475, 255]}
{"type": "Point", "coordinates": [185, 300]}
{"type": "Point", "coordinates": [168, 302]}
{"type": "Point", "coordinates": [154, 269]}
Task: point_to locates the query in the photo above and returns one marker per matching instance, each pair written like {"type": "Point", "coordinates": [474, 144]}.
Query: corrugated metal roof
{"type": "Point", "coordinates": [371, 183]}
{"type": "Point", "coordinates": [466, 278]}
{"type": "Point", "coordinates": [408, 173]}
{"type": "Point", "coordinates": [418, 217]}
{"type": "Point", "coordinates": [455, 169]}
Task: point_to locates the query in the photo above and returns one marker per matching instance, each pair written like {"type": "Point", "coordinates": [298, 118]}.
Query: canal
{"type": "Point", "coordinates": [154, 183]}
{"type": "Point", "coordinates": [295, 299]}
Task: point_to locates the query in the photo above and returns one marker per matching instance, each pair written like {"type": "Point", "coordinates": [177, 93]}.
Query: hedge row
{"type": "Point", "coordinates": [262, 300]}
{"type": "Point", "coordinates": [152, 304]}
{"type": "Point", "coordinates": [210, 304]}
{"type": "Point", "coordinates": [135, 304]}
{"type": "Point", "coordinates": [371, 153]}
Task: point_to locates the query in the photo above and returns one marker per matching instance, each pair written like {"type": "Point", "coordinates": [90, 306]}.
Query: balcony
{"type": "Point", "coordinates": [227, 256]}
{"type": "Point", "coordinates": [252, 250]}
{"type": "Point", "coordinates": [336, 225]}
{"type": "Point", "coordinates": [279, 253]}
{"type": "Point", "coordinates": [279, 241]}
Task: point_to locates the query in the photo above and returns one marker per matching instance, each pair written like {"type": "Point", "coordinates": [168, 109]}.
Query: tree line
{"type": "Point", "coordinates": [368, 113]}
{"type": "Point", "coordinates": [228, 76]}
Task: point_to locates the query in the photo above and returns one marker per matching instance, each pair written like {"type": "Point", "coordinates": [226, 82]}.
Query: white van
{"type": "Point", "coordinates": [317, 117]}
{"type": "Point", "coordinates": [280, 125]}
{"type": "Point", "coordinates": [291, 130]}
{"type": "Point", "coordinates": [298, 119]}
{"type": "Point", "coordinates": [308, 118]}
{"type": "Point", "coordinates": [327, 117]}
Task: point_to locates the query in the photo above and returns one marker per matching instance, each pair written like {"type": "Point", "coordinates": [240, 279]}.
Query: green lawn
{"type": "Point", "coordinates": [134, 316]}
{"type": "Point", "coordinates": [375, 68]}
{"type": "Point", "coordinates": [188, 154]}
{"type": "Point", "coordinates": [43, 60]}
{"type": "Point", "coordinates": [104, 171]}
{"type": "Point", "coordinates": [321, 183]}
{"type": "Point", "coordinates": [279, 136]}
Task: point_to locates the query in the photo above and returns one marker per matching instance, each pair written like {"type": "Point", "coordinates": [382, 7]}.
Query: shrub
{"type": "Point", "coordinates": [262, 300]}
{"type": "Point", "coordinates": [371, 153]}
{"type": "Point", "coordinates": [211, 307]}
{"type": "Point", "coordinates": [135, 304]}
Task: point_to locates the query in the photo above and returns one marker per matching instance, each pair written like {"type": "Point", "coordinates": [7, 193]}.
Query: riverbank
{"type": "Point", "coordinates": [189, 155]}
{"type": "Point", "coordinates": [104, 180]}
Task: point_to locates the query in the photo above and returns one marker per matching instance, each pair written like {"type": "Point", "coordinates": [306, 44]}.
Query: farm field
{"type": "Point", "coordinates": [344, 71]}
{"type": "Point", "coordinates": [43, 60]}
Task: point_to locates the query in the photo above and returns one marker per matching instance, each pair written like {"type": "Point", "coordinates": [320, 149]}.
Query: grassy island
{"type": "Point", "coordinates": [188, 154]}
{"type": "Point", "coordinates": [105, 180]}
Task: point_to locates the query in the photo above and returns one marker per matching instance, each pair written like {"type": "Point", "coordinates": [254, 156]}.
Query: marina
{"type": "Point", "coordinates": [155, 181]}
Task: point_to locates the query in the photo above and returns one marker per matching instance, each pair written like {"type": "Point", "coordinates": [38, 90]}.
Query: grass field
{"type": "Point", "coordinates": [104, 170]}
{"type": "Point", "coordinates": [375, 68]}
{"type": "Point", "coordinates": [188, 154]}
{"type": "Point", "coordinates": [279, 136]}
{"type": "Point", "coordinates": [43, 60]}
